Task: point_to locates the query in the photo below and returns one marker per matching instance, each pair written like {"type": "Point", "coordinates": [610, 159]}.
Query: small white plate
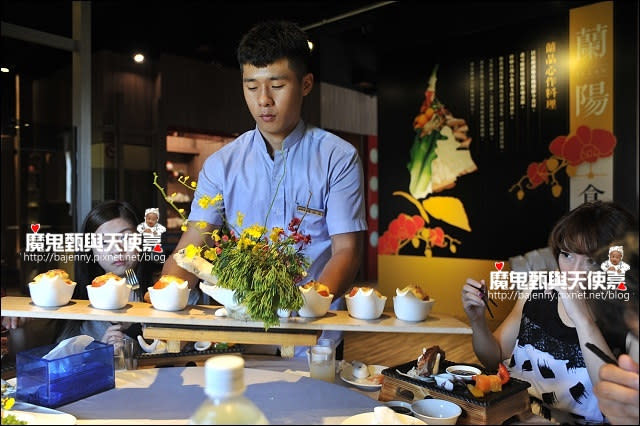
{"type": "Point", "coordinates": [201, 345]}
{"type": "Point", "coordinates": [468, 370]}
{"type": "Point", "coordinates": [365, 384]}
{"type": "Point", "coordinates": [369, 419]}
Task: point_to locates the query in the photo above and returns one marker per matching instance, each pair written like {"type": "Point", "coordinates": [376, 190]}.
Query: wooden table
{"type": "Point", "coordinates": [198, 322]}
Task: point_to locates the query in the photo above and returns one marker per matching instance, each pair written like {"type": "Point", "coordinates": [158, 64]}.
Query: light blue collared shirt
{"type": "Point", "coordinates": [315, 168]}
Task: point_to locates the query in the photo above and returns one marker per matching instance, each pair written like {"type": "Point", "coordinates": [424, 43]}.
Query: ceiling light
{"type": "Point", "coordinates": [4, 69]}
{"type": "Point", "coordinates": [310, 43]}
{"type": "Point", "coordinates": [138, 57]}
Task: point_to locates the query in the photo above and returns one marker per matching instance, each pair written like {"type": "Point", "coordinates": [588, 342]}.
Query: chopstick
{"type": "Point", "coordinates": [603, 356]}
{"type": "Point", "coordinates": [485, 299]}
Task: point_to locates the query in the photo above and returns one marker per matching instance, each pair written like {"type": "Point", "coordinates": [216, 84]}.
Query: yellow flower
{"type": "Point", "coordinates": [204, 201]}
{"type": "Point", "coordinates": [190, 251]}
{"type": "Point", "coordinates": [216, 199]}
{"type": "Point", "coordinates": [239, 218]}
{"type": "Point", "coordinates": [254, 231]}
{"type": "Point", "coordinates": [275, 234]}
{"type": "Point", "coordinates": [211, 254]}
{"type": "Point", "coordinates": [8, 403]}
{"type": "Point", "coordinates": [201, 224]}
{"type": "Point", "coordinates": [193, 184]}
{"type": "Point", "coordinates": [216, 235]}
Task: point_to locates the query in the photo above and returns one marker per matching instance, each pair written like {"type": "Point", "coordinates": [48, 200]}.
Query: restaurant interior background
{"type": "Point", "coordinates": [69, 142]}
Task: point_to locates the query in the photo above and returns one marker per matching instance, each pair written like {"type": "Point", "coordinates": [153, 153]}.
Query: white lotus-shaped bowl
{"type": "Point", "coordinates": [224, 296]}
{"type": "Point", "coordinates": [51, 291]}
{"type": "Point", "coordinates": [408, 307]}
{"type": "Point", "coordinates": [365, 305]}
{"type": "Point", "coordinates": [173, 297]}
{"type": "Point", "coordinates": [315, 305]}
{"type": "Point", "coordinates": [114, 294]}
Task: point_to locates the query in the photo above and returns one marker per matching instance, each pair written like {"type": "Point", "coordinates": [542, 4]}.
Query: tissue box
{"type": "Point", "coordinates": [51, 383]}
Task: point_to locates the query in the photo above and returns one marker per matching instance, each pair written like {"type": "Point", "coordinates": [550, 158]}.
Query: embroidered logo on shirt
{"type": "Point", "coordinates": [317, 212]}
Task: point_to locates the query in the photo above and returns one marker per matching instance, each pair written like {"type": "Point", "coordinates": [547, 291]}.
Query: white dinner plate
{"type": "Point", "coordinates": [369, 419]}
{"type": "Point", "coordinates": [37, 415]}
{"type": "Point", "coordinates": [365, 384]}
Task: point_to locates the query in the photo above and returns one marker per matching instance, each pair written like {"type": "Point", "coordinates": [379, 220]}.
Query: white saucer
{"type": "Point", "coordinates": [365, 384]}
{"type": "Point", "coordinates": [369, 419]}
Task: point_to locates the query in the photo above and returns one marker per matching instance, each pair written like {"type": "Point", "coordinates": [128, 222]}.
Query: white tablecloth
{"type": "Point", "coordinates": [172, 395]}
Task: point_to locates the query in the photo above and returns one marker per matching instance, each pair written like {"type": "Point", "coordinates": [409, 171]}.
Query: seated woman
{"type": "Point", "coordinates": [544, 336]}
{"type": "Point", "coordinates": [109, 217]}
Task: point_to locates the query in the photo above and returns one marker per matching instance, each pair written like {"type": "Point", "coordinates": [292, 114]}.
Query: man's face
{"type": "Point", "coordinates": [151, 219]}
{"type": "Point", "coordinates": [274, 96]}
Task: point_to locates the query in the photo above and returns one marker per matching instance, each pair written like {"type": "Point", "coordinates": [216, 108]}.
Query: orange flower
{"type": "Point", "coordinates": [388, 244]}
{"type": "Point", "coordinates": [436, 236]}
{"type": "Point", "coordinates": [405, 227]}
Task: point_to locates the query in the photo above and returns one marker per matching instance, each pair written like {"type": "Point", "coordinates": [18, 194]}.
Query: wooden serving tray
{"type": "Point", "coordinates": [494, 408]}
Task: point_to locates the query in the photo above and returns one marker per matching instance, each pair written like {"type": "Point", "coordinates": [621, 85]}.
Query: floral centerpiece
{"type": "Point", "coordinates": [262, 266]}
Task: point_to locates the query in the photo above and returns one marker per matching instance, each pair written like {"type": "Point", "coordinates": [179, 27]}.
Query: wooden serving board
{"type": "Point", "coordinates": [494, 408]}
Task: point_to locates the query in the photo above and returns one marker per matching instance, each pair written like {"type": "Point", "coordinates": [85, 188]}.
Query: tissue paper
{"type": "Point", "coordinates": [70, 346]}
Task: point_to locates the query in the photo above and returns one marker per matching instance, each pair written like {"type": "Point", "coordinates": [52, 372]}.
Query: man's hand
{"type": "Point", "coordinates": [617, 391]}
{"type": "Point", "coordinates": [193, 235]}
{"type": "Point", "coordinates": [341, 269]}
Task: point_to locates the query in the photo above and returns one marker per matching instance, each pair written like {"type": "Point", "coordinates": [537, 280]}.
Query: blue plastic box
{"type": "Point", "coordinates": [51, 383]}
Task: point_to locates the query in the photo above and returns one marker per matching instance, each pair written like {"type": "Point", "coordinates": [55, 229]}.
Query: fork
{"type": "Point", "coordinates": [132, 279]}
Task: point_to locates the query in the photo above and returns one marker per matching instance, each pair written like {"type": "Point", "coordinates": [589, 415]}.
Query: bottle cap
{"type": "Point", "coordinates": [224, 376]}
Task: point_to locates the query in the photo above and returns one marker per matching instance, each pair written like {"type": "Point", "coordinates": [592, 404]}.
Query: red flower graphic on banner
{"type": "Point", "coordinates": [436, 236]}
{"type": "Point", "coordinates": [537, 174]}
{"type": "Point", "coordinates": [585, 146]}
{"type": "Point", "coordinates": [405, 226]}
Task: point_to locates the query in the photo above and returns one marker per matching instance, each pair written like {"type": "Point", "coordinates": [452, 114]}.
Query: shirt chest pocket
{"type": "Point", "coordinates": [314, 219]}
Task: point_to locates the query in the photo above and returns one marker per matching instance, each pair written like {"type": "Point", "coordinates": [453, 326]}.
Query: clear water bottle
{"type": "Point", "coordinates": [224, 385]}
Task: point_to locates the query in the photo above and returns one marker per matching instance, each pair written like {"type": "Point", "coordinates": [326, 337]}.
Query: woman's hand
{"type": "Point", "coordinates": [617, 391]}
{"type": "Point", "coordinates": [472, 300]}
{"type": "Point", "coordinates": [113, 335]}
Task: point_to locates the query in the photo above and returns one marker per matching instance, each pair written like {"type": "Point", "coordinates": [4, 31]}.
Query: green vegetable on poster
{"type": "Point", "coordinates": [421, 156]}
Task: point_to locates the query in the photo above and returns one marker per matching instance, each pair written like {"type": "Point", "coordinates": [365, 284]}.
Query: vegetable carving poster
{"type": "Point", "coordinates": [450, 154]}
{"type": "Point", "coordinates": [438, 157]}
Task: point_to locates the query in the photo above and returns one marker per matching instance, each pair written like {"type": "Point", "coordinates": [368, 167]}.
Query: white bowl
{"type": "Point", "coordinates": [114, 294]}
{"type": "Point", "coordinates": [365, 305]}
{"type": "Point", "coordinates": [436, 411]}
{"type": "Point", "coordinates": [315, 305]}
{"type": "Point", "coordinates": [224, 296]}
{"type": "Point", "coordinates": [173, 297]}
{"type": "Point", "coordinates": [408, 307]}
{"type": "Point", "coordinates": [51, 291]}
{"type": "Point", "coordinates": [201, 345]}
{"type": "Point", "coordinates": [467, 370]}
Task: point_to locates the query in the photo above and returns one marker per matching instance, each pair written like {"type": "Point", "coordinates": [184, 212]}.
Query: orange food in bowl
{"type": "Point", "coordinates": [417, 292]}
{"type": "Point", "coordinates": [52, 274]}
{"type": "Point", "coordinates": [165, 280]}
{"type": "Point", "coordinates": [320, 288]}
{"type": "Point", "coordinates": [355, 290]}
{"type": "Point", "coordinates": [102, 279]}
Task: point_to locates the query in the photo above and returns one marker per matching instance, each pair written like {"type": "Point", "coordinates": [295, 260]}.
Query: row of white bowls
{"type": "Point", "coordinates": [114, 294]}
{"type": "Point", "coordinates": [367, 305]}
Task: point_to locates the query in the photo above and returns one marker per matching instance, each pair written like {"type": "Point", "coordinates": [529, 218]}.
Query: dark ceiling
{"type": "Point", "coordinates": [348, 50]}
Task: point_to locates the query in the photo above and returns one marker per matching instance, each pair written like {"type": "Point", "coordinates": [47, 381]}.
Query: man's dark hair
{"type": "Point", "coordinates": [270, 41]}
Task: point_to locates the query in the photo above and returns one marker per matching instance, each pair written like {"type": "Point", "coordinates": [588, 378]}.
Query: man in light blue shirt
{"type": "Point", "coordinates": [300, 167]}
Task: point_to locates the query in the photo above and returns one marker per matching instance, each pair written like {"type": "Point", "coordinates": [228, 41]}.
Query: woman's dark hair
{"type": "Point", "coordinates": [589, 227]}
{"type": "Point", "coordinates": [270, 41]}
{"type": "Point", "coordinates": [590, 230]}
{"type": "Point", "coordinates": [100, 214]}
